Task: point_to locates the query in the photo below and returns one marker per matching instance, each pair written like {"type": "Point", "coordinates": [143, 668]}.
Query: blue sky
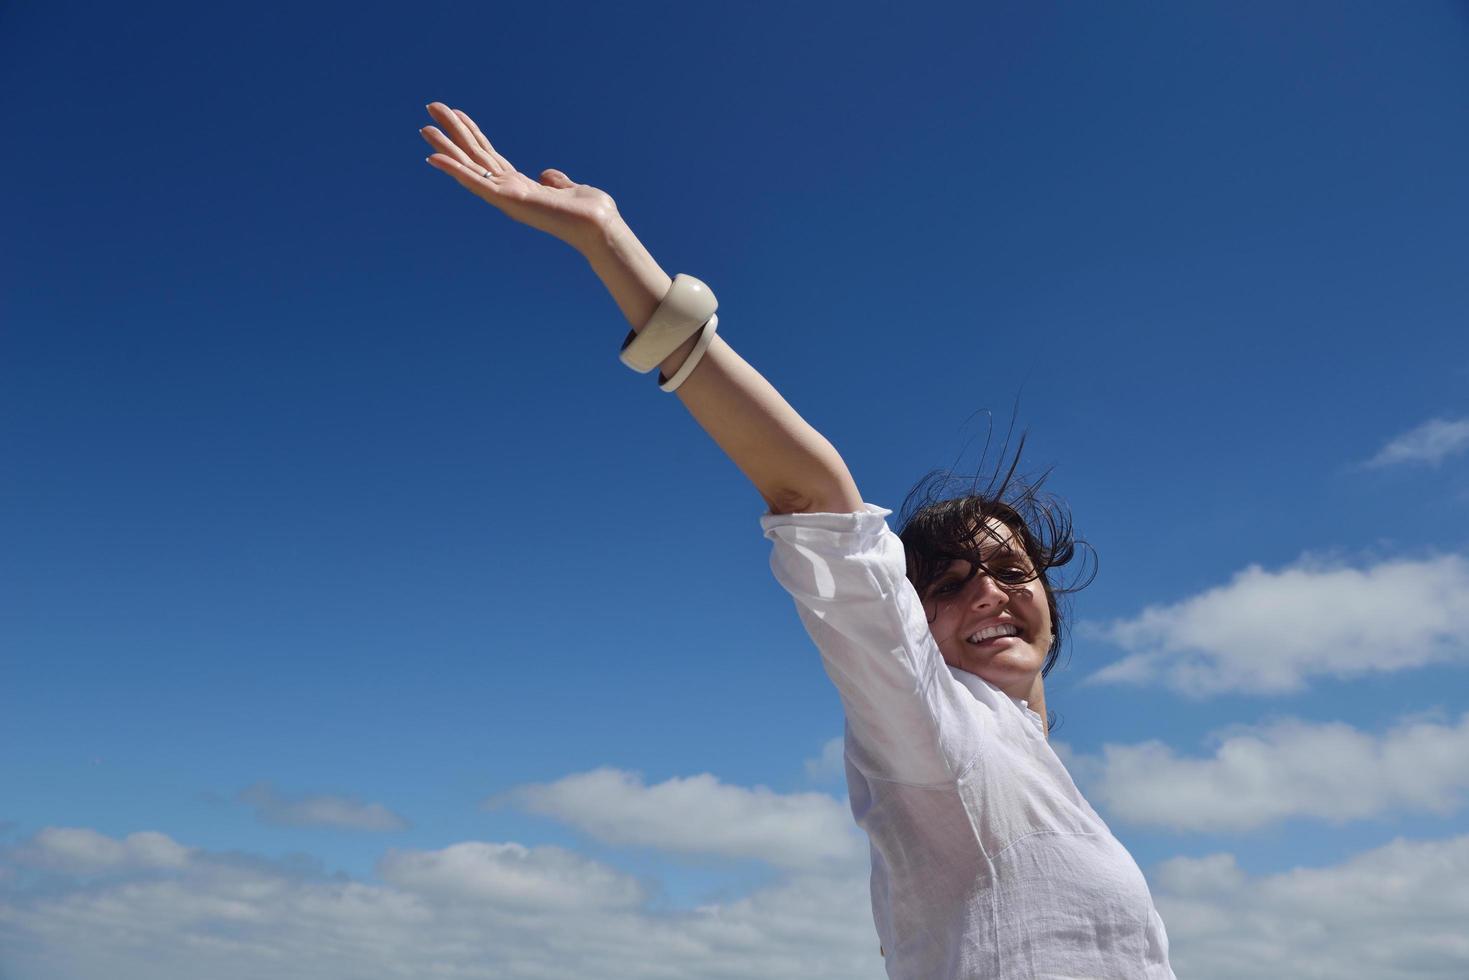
{"type": "Point", "coordinates": [359, 611]}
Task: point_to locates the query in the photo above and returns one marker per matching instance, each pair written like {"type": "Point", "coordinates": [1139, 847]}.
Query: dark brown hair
{"type": "Point", "coordinates": [941, 525]}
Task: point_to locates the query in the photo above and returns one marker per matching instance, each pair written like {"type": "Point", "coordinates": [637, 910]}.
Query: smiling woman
{"type": "Point", "coordinates": [1008, 538]}
{"type": "Point", "coordinates": [986, 860]}
{"type": "Point", "coordinates": [988, 620]}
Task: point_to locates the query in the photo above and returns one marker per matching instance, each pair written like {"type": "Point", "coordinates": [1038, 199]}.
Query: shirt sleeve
{"type": "Point", "coordinates": [912, 721]}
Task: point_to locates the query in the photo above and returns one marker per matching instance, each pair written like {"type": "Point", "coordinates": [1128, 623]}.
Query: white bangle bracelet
{"type": "Point", "coordinates": [685, 308]}
{"type": "Point", "coordinates": [692, 361]}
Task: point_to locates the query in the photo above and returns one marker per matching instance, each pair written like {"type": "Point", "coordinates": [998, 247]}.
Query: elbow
{"type": "Point", "coordinates": [837, 499]}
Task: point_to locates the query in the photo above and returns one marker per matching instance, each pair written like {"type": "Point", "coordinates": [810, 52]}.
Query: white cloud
{"type": "Point", "coordinates": [1430, 443]}
{"type": "Point", "coordinates": [319, 810]}
{"type": "Point", "coordinates": [1268, 632]}
{"type": "Point", "coordinates": [79, 850]}
{"type": "Point", "coordinates": [496, 911]}
{"type": "Point", "coordinates": [830, 765]}
{"type": "Point", "coordinates": [1393, 913]}
{"type": "Point", "coordinates": [700, 815]}
{"type": "Point", "coordinates": [510, 876]}
{"type": "Point", "coordinates": [1287, 769]}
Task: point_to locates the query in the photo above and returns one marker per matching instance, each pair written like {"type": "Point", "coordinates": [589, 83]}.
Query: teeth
{"type": "Point", "coordinates": [1005, 629]}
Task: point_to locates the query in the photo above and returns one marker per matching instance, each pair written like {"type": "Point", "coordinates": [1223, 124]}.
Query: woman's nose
{"type": "Point", "coordinates": [988, 593]}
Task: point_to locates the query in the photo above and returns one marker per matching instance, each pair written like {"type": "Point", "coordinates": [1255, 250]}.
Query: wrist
{"type": "Point", "coordinates": [609, 240]}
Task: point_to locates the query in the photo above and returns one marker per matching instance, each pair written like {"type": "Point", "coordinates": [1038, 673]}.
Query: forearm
{"type": "Point", "coordinates": [792, 465]}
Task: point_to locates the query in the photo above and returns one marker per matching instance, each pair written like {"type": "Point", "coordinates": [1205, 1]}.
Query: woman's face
{"type": "Point", "coordinates": [958, 610]}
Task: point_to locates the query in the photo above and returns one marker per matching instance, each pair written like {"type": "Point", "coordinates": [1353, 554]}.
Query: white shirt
{"type": "Point", "coordinates": [987, 862]}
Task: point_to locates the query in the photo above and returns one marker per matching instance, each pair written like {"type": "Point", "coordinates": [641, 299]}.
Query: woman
{"type": "Point", "coordinates": [986, 860]}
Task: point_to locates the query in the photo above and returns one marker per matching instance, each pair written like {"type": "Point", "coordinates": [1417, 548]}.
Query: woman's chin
{"type": "Point", "coordinates": [1012, 670]}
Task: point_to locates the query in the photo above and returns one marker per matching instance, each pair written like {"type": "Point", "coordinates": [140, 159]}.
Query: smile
{"type": "Point", "coordinates": [992, 633]}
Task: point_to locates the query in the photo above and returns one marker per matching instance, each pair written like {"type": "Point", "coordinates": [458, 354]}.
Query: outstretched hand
{"type": "Point", "coordinates": [575, 213]}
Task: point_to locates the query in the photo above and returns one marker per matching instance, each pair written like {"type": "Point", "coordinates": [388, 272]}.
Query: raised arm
{"type": "Point", "coordinates": [794, 468]}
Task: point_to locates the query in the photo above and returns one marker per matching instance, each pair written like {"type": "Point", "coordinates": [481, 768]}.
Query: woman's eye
{"type": "Point", "coordinates": [1009, 574]}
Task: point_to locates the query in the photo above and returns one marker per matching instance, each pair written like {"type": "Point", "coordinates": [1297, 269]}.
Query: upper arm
{"type": "Point", "coordinates": [911, 720]}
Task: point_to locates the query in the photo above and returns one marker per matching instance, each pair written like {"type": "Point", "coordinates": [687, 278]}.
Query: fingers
{"type": "Point", "coordinates": [500, 161]}
{"type": "Point", "coordinates": [466, 146]}
{"type": "Point", "coordinates": [465, 154]}
{"type": "Point", "coordinates": [454, 141]}
{"type": "Point", "coordinates": [441, 143]}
